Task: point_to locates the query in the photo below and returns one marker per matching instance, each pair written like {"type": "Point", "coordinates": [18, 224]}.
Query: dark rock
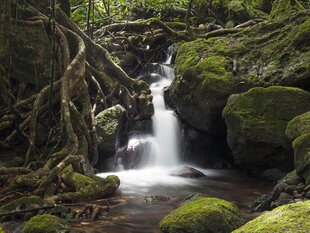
{"type": "Point", "coordinates": [300, 187]}
{"type": "Point", "coordinates": [307, 195]}
{"type": "Point", "coordinates": [261, 204]}
{"type": "Point", "coordinates": [273, 175]}
{"type": "Point", "coordinates": [187, 171]}
{"type": "Point", "coordinates": [291, 178]}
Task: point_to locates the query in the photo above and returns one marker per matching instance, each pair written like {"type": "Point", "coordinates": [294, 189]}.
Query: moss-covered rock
{"type": "Point", "coordinates": [25, 202]}
{"type": "Point", "coordinates": [204, 80]}
{"type": "Point", "coordinates": [256, 123]}
{"type": "Point", "coordinates": [301, 146]}
{"type": "Point", "coordinates": [287, 218]}
{"type": "Point", "coordinates": [108, 124]}
{"type": "Point", "coordinates": [272, 53]}
{"type": "Point", "coordinates": [298, 126]}
{"type": "Point", "coordinates": [1, 231]}
{"type": "Point", "coordinates": [298, 130]}
{"type": "Point", "coordinates": [48, 224]}
{"type": "Point", "coordinates": [209, 215]}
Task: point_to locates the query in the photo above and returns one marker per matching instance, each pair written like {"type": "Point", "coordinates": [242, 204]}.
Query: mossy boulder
{"type": "Point", "coordinates": [209, 215]}
{"type": "Point", "coordinates": [298, 130]}
{"type": "Point", "coordinates": [256, 121]}
{"type": "Point", "coordinates": [48, 224]}
{"type": "Point", "coordinates": [272, 53]}
{"type": "Point", "coordinates": [301, 146]}
{"type": "Point", "coordinates": [24, 202]}
{"type": "Point", "coordinates": [287, 218]}
{"type": "Point", "coordinates": [204, 80]}
{"type": "Point", "coordinates": [108, 124]}
{"type": "Point", "coordinates": [1, 231]}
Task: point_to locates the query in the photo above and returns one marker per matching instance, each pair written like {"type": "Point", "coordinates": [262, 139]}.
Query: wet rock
{"type": "Point", "coordinates": [203, 215]}
{"type": "Point", "coordinates": [307, 195]}
{"type": "Point", "coordinates": [144, 108]}
{"type": "Point", "coordinates": [287, 218]}
{"type": "Point", "coordinates": [262, 203]}
{"type": "Point", "coordinates": [156, 198]}
{"type": "Point", "coordinates": [256, 121]}
{"type": "Point", "coordinates": [187, 171]}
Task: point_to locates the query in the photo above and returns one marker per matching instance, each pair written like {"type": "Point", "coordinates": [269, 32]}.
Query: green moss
{"type": "Point", "coordinates": [256, 121]}
{"type": "Point", "coordinates": [303, 34]}
{"type": "Point", "coordinates": [301, 146]}
{"type": "Point", "coordinates": [203, 215]}
{"type": "Point", "coordinates": [46, 223]}
{"type": "Point", "coordinates": [98, 189]}
{"type": "Point", "coordinates": [26, 202]}
{"type": "Point", "coordinates": [298, 126]}
{"type": "Point", "coordinates": [283, 8]}
{"type": "Point", "coordinates": [107, 125]}
{"type": "Point", "coordinates": [1, 231]}
{"type": "Point", "coordinates": [287, 218]}
{"type": "Point", "coordinates": [77, 180]}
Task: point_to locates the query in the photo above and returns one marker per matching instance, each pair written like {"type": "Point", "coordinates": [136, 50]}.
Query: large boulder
{"type": "Point", "coordinates": [208, 71]}
{"type": "Point", "coordinates": [204, 82]}
{"type": "Point", "coordinates": [298, 130]}
{"type": "Point", "coordinates": [47, 223]}
{"type": "Point", "coordinates": [210, 215]}
{"type": "Point", "coordinates": [287, 218]}
{"type": "Point", "coordinates": [256, 121]}
{"type": "Point", "coordinates": [108, 124]}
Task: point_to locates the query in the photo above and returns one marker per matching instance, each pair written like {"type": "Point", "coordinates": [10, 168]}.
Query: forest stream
{"type": "Point", "coordinates": [151, 191]}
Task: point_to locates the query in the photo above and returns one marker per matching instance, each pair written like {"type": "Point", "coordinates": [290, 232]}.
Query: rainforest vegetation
{"type": "Point", "coordinates": [70, 97]}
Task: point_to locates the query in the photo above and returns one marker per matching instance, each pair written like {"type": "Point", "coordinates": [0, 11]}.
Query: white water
{"type": "Point", "coordinates": [165, 123]}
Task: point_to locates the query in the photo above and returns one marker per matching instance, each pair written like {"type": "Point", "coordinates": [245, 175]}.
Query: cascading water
{"type": "Point", "coordinates": [165, 123]}
{"type": "Point", "coordinates": [162, 148]}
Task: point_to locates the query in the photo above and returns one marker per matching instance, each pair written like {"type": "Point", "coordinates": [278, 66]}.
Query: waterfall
{"type": "Point", "coordinates": [162, 148]}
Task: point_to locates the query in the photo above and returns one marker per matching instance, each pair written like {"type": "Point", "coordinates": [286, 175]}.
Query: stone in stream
{"type": "Point", "coordinates": [187, 171]}
{"type": "Point", "coordinates": [203, 215]}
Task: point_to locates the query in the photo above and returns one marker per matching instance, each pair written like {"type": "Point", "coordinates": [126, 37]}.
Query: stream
{"type": "Point", "coordinates": [148, 191]}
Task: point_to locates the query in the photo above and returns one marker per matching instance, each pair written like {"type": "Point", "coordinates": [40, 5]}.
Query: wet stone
{"type": "Point", "coordinates": [187, 171]}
